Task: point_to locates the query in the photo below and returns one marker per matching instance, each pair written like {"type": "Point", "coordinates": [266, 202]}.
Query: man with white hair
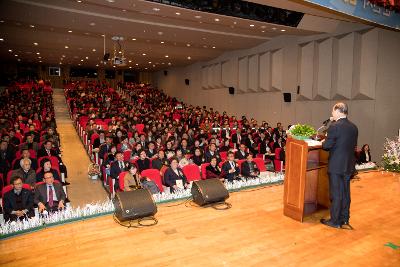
{"type": "Point", "coordinates": [27, 174]}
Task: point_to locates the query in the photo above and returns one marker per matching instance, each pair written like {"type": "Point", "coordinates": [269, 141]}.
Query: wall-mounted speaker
{"type": "Point", "coordinates": [287, 97]}
{"type": "Point", "coordinates": [187, 82]}
{"type": "Point", "coordinates": [165, 73]}
{"type": "Point", "coordinates": [232, 90]}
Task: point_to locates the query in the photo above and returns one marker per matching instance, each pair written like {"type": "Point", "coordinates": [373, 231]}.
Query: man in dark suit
{"type": "Point", "coordinates": [249, 167]}
{"type": "Point", "coordinates": [105, 148]}
{"type": "Point", "coordinates": [241, 153]}
{"type": "Point", "coordinates": [341, 141]}
{"type": "Point", "coordinates": [18, 203]}
{"type": "Point", "coordinates": [26, 173]}
{"type": "Point", "coordinates": [212, 153]}
{"type": "Point", "coordinates": [49, 196]}
{"type": "Point", "coordinates": [25, 154]}
{"type": "Point", "coordinates": [174, 174]}
{"type": "Point", "coordinates": [230, 169]}
{"type": "Point", "coordinates": [116, 168]}
{"type": "Point", "coordinates": [236, 138]}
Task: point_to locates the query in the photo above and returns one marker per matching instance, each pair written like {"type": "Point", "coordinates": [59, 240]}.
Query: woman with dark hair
{"type": "Point", "coordinates": [198, 157]}
{"type": "Point", "coordinates": [174, 177]}
{"type": "Point", "coordinates": [132, 178]}
{"type": "Point", "coordinates": [213, 170]}
{"type": "Point", "coordinates": [225, 145]}
{"type": "Point", "coordinates": [143, 162]}
{"type": "Point", "coordinates": [365, 155]}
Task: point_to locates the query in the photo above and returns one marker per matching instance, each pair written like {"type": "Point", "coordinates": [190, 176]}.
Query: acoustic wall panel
{"type": "Point", "coordinates": [216, 75]}
{"type": "Point", "coordinates": [204, 77]}
{"type": "Point", "coordinates": [368, 65]}
{"type": "Point", "coordinates": [277, 70]}
{"type": "Point", "coordinates": [265, 72]}
{"type": "Point", "coordinates": [227, 73]}
{"type": "Point", "coordinates": [243, 74]}
{"type": "Point", "coordinates": [324, 70]}
{"type": "Point", "coordinates": [253, 73]}
{"type": "Point", "coordinates": [210, 76]}
{"type": "Point", "coordinates": [345, 68]}
{"type": "Point", "coordinates": [307, 70]}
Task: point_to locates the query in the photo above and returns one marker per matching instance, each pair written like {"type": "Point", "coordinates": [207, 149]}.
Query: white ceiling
{"type": "Point", "coordinates": [165, 34]}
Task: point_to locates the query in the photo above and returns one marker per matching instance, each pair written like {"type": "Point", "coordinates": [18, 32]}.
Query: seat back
{"type": "Point", "coordinates": [260, 164]}
{"type": "Point", "coordinates": [204, 171]}
{"type": "Point", "coordinates": [155, 176]}
{"type": "Point", "coordinates": [223, 155]}
{"type": "Point", "coordinates": [121, 178]}
{"type": "Point", "coordinates": [140, 127]}
{"type": "Point", "coordinates": [192, 172]}
{"type": "Point", "coordinates": [240, 161]}
{"type": "Point", "coordinates": [277, 160]}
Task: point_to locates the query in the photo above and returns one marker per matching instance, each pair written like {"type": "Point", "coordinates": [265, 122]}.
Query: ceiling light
{"type": "Point", "coordinates": [79, 1]}
{"type": "Point", "coordinates": [137, 64]}
{"type": "Point", "coordinates": [177, 13]}
{"type": "Point", "coordinates": [1, 39]}
{"type": "Point", "coordinates": [66, 46]}
{"type": "Point", "coordinates": [263, 27]}
{"type": "Point", "coordinates": [39, 57]}
{"type": "Point", "coordinates": [63, 55]}
{"type": "Point", "coordinates": [79, 64]}
{"type": "Point", "coordinates": [169, 63]}
{"type": "Point", "coordinates": [213, 47]}
{"type": "Point", "coordinates": [189, 58]}
{"type": "Point", "coordinates": [123, 10]}
{"type": "Point", "coordinates": [188, 45]}
{"type": "Point", "coordinates": [87, 57]}
{"type": "Point", "coordinates": [251, 25]}
{"type": "Point", "coordinates": [129, 61]}
{"type": "Point", "coordinates": [97, 65]}
{"type": "Point", "coordinates": [82, 60]}
{"type": "Point", "coordinates": [38, 53]}
{"type": "Point", "coordinates": [166, 56]}
{"type": "Point", "coordinates": [130, 67]}
{"type": "Point", "coordinates": [35, 44]}
{"type": "Point", "coordinates": [19, 59]}
{"type": "Point", "coordinates": [86, 33]}
{"type": "Point", "coordinates": [1, 21]}
{"type": "Point", "coordinates": [60, 63]}
{"type": "Point", "coordinates": [143, 54]}
{"type": "Point", "coordinates": [149, 62]}
{"type": "Point", "coordinates": [32, 26]}
{"type": "Point", "coordinates": [40, 61]}
{"type": "Point", "coordinates": [262, 31]}
{"type": "Point", "coordinates": [145, 68]}
{"type": "Point", "coordinates": [204, 46]}
{"type": "Point", "coordinates": [283, 30]}
{"type": "Point", "coordinates": [156, 9]}
{"type": "Point", "coordinates": [160, 33]}
{"type": "Point", "coordinates": [92, 24]}
{"type": "Point", "coordinates": [197, 17]}
{"type": "Point", "coordinates": [93, 50]}
{"type": "Point", "coordinates": [235, 22]}
{"type": "Point", "coordinates": [9, 50]}
{"type": "Point", "coordinates": [102, 35]}
{"type": "Point", "coordinates": [113, 66]}
{"type": "Point", "coordinates": [216, 19]}
{"type": "Point", "coordinates": [133, 39]}
{"type": "Point", "coordinates": [69, 31]}
{"type": "Point", "coordinates": [274, 28]}
{"type": "Point", "coordinates": [110, 1]}
{"type": "Point", "coordinates": [16, 55]}
{"type": "Point", "coordinates": [162, 42]}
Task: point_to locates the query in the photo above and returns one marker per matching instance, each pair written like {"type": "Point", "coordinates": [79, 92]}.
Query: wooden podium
{"type": "Point", "coordinates": [306, 179]}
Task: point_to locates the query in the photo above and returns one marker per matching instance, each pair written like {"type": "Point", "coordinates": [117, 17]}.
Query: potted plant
{"type": "Point", "coordinates": [391, 156]}
{"type": "Point", "coordinates": [301, 131]}
{"type": "Point", "coordinates": [94, 171]}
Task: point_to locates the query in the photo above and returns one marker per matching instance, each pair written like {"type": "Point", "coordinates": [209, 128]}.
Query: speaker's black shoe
{"type": "Point", "coordinates": [330, 223]}
{"type": "Point", "coordinates": [67, 200]}
{"type": "Point", "coordinates": [347, 226]}
{"type": "Point", "coordinates": [65, 183]}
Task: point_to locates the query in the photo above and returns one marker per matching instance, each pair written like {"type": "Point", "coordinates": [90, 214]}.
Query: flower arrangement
{"type": "Point", "coordinates": [391, 155]}
{"type": "Point", "coordinates": [94, 170]}
{"type": "Point", "coordinates": [301, 131]}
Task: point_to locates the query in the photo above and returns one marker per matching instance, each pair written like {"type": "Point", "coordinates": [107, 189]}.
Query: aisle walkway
{"type": "Point", "coordinates": [82, 190]}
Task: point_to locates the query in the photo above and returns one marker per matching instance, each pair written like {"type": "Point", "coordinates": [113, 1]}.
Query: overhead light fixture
{"type": "Point", "coordinates": [149, 62]}
{"type": "Point", "coordinates": [9, 50]}
{"type": "Point", "coordinates": [87, 57]}
{"type": "Point", "coordinates": [133, 39]}
{"type": "Point", "coordinates": [129, 61]}
{"type": "Point", "coordinates": [79, 1]}
{"type": "Point", "coordinates": [274, 29]}
{"type": "Point", "coordinates": [35, 44]}
{"type": "Point", "coordinates": [93, 50]}
{"type": "Point", "coordinates": [16, 55]}
{"type": "Point", "coordinates": [123, 10]}
{"type": "Point", "coordinates": [130, 67]}
{"type": "Point", "coordinates": [92, 24]}
{"type": "Point", "coordinates": [69, 31]}
{"type": "Point", "coordinates": [32, 26]}
{"type": "Point", "coordinates": [137, 64]}
{"type": "Point", "coordinates": [40, 61]}
{"type": "Point", "coordinates": [262, 31]}
{"type": "Point", "coordinates": [161, 42]}
{"type": "Point", "coordinates": [156, 9]}
{"type": "Point", "coordinates": [283, 30]}
{"type": "Point", "coordinates": [197, 17]}
{"type": "Point", "coordinates": [1, 39]}
{"type": "Point", "coordinates": [38, 53]}
{"type": "Point", "coordinates": [188, 45]}
{"type": "Point", "coordinates": [1, 21]}
{"type": "Point", "coordinates": [177, 13]}
{"type": "Point", "coordinates": [251, 25]}
{"type": "Point", "coordinates": [189, 58]}
{"type": "Point", "coordinates": [166, 56]}
{"type": "Point", "coordinates": [169, 63]}
{"type": "Point", "coordinates": [216, 19]}
{"type": "Point", "coordinates": [263, 27]}
{"type": "Point", "coordinates": [82, 60]}
{"type": "Point", "coordinates": [97, 65]}
{"type": "Point", "coordinates": [63, 55]}
{"type": "Point", "coordinates": [160, 33]}
{"type": "Point", "coordinates": [143, 54]}
{"type": "Point", "coordinates": [66, 46]}
{"type": "Point", "coordinates": [110, 1]}
{"type": "Point", "coordinates": [39, 57]}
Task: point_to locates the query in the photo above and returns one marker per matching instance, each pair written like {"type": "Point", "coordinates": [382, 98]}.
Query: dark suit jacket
{"type": "Point", "coordinates": [225, 171]}
{"type": "Point", "coordinates": [115, 170]}
{"type": "Point", "coordinates": [235, 139]}
{"type": "Point", "coordinates": [41, 193]}
{"type": "Point", "coordinates": [103, 150]}
{"type": "Point", "coordinates": [43, 153]}
{"type": "Point", "coordinates": [246, 168]}
{"type": "Point", "coordinates": [170, 177]}
{"type": "Point", "coordinates": [239, 155]}
{"type": "Point", "coordinates": [143, 164]}
{"type": "Point", "coordinates": [212, 172]}
{"type": "Point", "coordinates": [40, 175]}
{"type": "Point", "coordinates": [208, 156]}
{"type": "Point", "coordinates": [363, 157]}
{"type": "Point", "coordinates": [30, 178]}
{"type": "Point", "coordinates": [341, 142]}
{"type": "Point", "coordinates": [10, 201]}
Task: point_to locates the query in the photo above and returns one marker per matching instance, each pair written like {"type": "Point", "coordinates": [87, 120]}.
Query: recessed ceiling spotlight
{"type": "Point", "coordinates": [143, 54]}
{"type": "Point", "coordinates": [102, 35]}
{"type": "Point", "coordinates": [97, 65]}
{"type": "Point", "coordinates": [251, 25]}
{"type": "Point", "coordinates": [80, 48]}
{"type": "Point", "coordinates": [40, 61]}
{"type": "Point", "coordinates": [274, 29]}
{"type": "Point", "coordinates": [156, 9]}
{"type": "Point", "coordinates": [87, 57]}
{"type": "Point", "coordinates": [205, 46]}
{"type": "Point", "coordinates": [82, 60]}
{"type": "Point", "coordinates": [69, 31]}
{"type": "Point", "coordinates": [197, 17]}
{"type": "Point", "coordinates": [145, 68]}
{"type": "Point", "coordinates": [38, 53]}
{"type": "Point", "coordinates": [60, 63]}
{"type": "Point", "coordinates": [188, 45]}
{"type": "Point", "coordinates": [177, 13]}
{"type": "Point", "coordinates": [169, 63]}
{"type": "Point", "coordinates": [213, 47]}
{"type": "Point", "coordinates": [110, 1]}
{"type": "Point", "coordinates": [137, 64]}
{"type": "Point", "coordinates": [130, 67]}
{"type": "Point", "coordinates": [160, 33]}
{"type": "Point", "coordinates": [9, 50]}
{"type": "Point", "coordinates": [133, 39]}
{"type": "Point", "coordinates": [79, 1]}
{"type": "Point", "coordinates": [86, 33]}
{"type": "Point", "coordinates": [149, 62]}
{"type": "Point", "coordinates": [92, 24]}
{"type": "Point", "coordinates": [16, 55]}
{"type": "Point", "coordinates": [63, 55]}
{"type": "Point", "coordinates": [123, 10]}
{"type": "Point", "coordinates": [216, 19]}
{"type": "Point", "coordinates": [166, 56]}
{"type": "Point", "coordinates": [283, 30]}
{"type": "Point", "coordinates": [262, 31]}
{"type": "Point", "coordinates": [263, 27]}
{"type": "Point", "coordinates": [79, 64]}
{"type": "Point", "coordinates": [1, 39]}
{"type": "Point", "coordinates": [129, 61]}
{"type": "Point", "coordinates": [1, 21]}
{"type": "Point", "coordinates": [93, 50]}
{"type": "Point", "coordinates": [66, 46]}
{"type": "Point", "coordinates": [161, 42]}
{"type": "Point", "coordinates": [189, 58]}
{"type": "Point", "coordinates": [39, 57]}
{"type": "Point", "coordinates": [32, 26]}
{"type": "Point", "coordinates": [35, 44]}
{"type": "Point", "coordinates": [19, 59]}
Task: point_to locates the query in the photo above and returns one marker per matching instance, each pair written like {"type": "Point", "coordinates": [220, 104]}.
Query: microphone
{"type": "Point", "coordinates": [326, 121]}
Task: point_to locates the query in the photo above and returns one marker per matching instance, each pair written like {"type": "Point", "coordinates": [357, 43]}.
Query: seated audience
{"type": "Point", "coordinates": [160, 161]}
{"type": "Point", "coordinates": [230, 169]}
{"type": "Point", "coordinates": [241, 153]}
{"type": "Point", "coordinates": [50, 195]}
{"type": "Point", "coordinates": [18, 203]}
{"type": "Point", "coordinates": [212, 152]}
{"type": "Point", "coordinates": [213, 170]}
{"type": "Point", "coordinates": [198, 158]}
{"type": "Point", "coordinates": [46, 167]}
{"type": "Point", "coordinates": [174, 176]}
{"type": "Point", "coordinates": [132, 178]}
{"type": "Point", "coordinates": [26, 173]}
{"type": "Point", "coordinates": [143, 162]}
{"type": "Point", "coordinates": [118, 166]}
{"type": "Point", "coordinates": [365, 154]}
{"type": "Point", "coordinates": [25, 154]}
{"type": "Point", "coordinates": [249, 167]}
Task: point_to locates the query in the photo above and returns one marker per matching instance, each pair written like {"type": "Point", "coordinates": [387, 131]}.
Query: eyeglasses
{"type": "Point", "coordinates": [48, 177]}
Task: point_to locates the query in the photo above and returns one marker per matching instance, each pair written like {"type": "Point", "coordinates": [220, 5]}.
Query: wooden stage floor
{"type": "Point", "coordinates": [252, 233]}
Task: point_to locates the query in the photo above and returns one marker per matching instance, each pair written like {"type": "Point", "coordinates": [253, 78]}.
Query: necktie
{"type": "Point", "coordinates": [121, 166]}
{"type": "Point", "coordinates": [51, 201]}
{"type": "Point", "coordinates": [48, 152]}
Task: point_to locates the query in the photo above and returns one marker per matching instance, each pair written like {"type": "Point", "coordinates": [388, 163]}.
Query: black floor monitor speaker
{"type": "Point", "coordinates": [287, 97]}
{"type": "Point", "coordinates": [209, 191]}
{"type": "Point", "coordinates": [232, 90]}
{"type": "Point", "coordinates": [134, 204]}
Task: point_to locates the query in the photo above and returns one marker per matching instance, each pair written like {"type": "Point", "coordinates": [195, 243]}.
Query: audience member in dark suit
{"type": "Point", "coordinates": [249, 167]}
{"type": "Point", "coordinates": [236, 138]}
{"type": "Point", "coordinates": [143, 162]}
{"type": "Point", "coordinates": [26, 173]}
{"type": "Point", "coordinates": [18, 203]}
{"type": "Point", "coordinates": [50, 195]}
{"type": "Point", "coordinates": [117, 167]}
{"type": "Point", "coordinates": [25, 154]}
{"type": "Point", "coordinates": [225, 146]}
{"type": "Point", "coordinates": [30, 144]}
{"type": "Point", "coordinates": [230, 169]}
{"type": "Point", "coordinates": [105, 148]}
{"type": "Point", "coordinates": [173, 174]}
{"type": "Point", "coordinates": [99, 141]}
{"type": "Point", "coordinates": [341, 141]}
{"type": "Point", "coordinates": [46, 167]}
{"type": "Point", "coordinates": [198, 158]}
{"type": "Point", "coordinates": [212, 170]}
{"type": "Point", "coordinates": [365, 155]}
{"type": "Point", "coordinates": [241, 153]}
{"type": "Point", "coordinates": [211, 153]}
{"type": "Point", "coordinates": [49, 151]}
{"type": "Point", "coordinates": [151, 151]}
{"type": "Point", "coordinates": [6, 157]}
{"type": "Point", "coordinates": [160, 161]}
